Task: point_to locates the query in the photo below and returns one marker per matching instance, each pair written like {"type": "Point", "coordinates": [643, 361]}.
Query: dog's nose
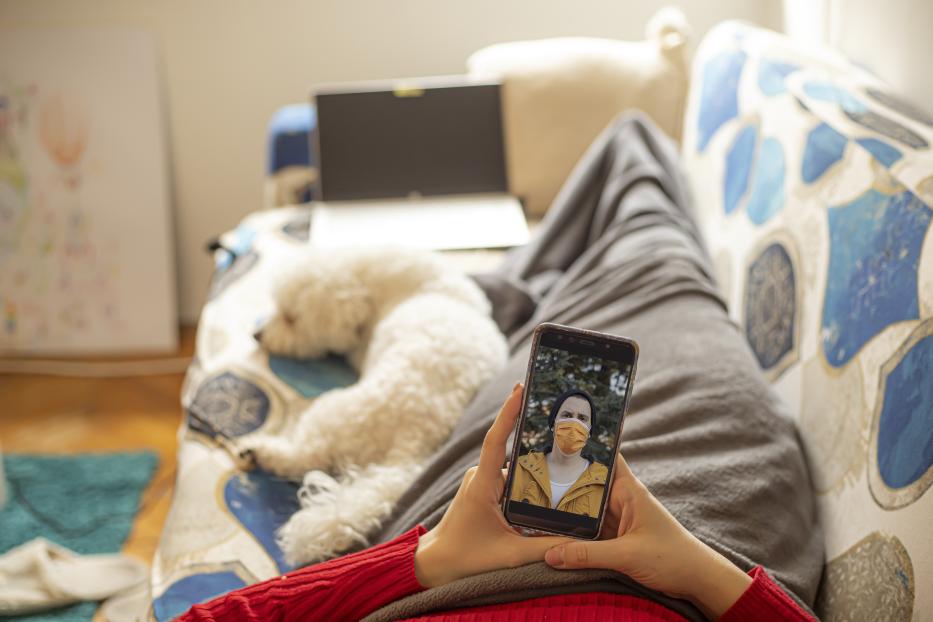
{"type": "Point", "coordinates": [258, 334]}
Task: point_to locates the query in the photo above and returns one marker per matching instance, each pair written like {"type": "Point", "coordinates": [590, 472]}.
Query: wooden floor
{"type": "Point", "coordinates": [48, 414]}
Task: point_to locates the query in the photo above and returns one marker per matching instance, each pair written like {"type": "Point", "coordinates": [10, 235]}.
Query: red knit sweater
{"type": "Point", "coordinates": [353, 586]}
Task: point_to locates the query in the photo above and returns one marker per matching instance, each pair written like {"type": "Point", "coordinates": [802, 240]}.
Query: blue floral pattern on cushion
{"type": "Point", "coordinates": [875, 243]}
{"type": "Point", "coordinates": [719, 101]}
{"type": "Point", "coordinates": [825, 146]}
{"type": "Point", "coordinates": [738, 167]}
{"type": "Point", "coordinates": [872, 580]}
{"type": "Point", "coordinates": [888, 127]}
{"type": "Point", "coordinates": [231, 404]}
{"type": "Point", "coordinates": [311, 377]}
{"type": "Point", "coordinates": [905, 428]}
{"type": "Point", "coordinates": [882, 151]}
{"type": "Point", "coordinates": [829, 92]}
{"type": "Point", "coordinates": [770, 299]}
{"type": "Point", "coordinates": [771, 74]}
{"type": "Point", "coordinates": [262, 503]}
{"type": "Point", "coordinates": [199, 588]}
{"type": "Point", "coordinates": [236, 244]}
{"type": "Point", "coordinates": [767, 196]}
{"type": "Point", "coordinates": [235, 259]}
{"type": "Point", "coordinates": [857, 226]}
{"type": "Point", "coordinates": [299, 228]}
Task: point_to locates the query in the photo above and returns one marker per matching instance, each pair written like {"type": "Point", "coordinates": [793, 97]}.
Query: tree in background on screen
{"type": "Point", "coordinates": [557, 371]}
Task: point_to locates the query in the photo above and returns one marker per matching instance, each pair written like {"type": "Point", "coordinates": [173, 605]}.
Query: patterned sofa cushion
{"type": "Point", "coordinates": [220, 531]}
{"type": "Point", "coordinates": [814, 186]}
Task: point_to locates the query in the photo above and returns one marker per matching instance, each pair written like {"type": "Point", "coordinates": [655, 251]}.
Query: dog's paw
{"type": "Point", "coordinates": [313, 534]}
{"type": "Point", "coordinates": [283, 456]}
{"type": "Point", "coordinates": [243, 458]}
{"type": "Point", "coordinates": [317, 489]}
{"type": "Point", "coordinates": [274, 454]}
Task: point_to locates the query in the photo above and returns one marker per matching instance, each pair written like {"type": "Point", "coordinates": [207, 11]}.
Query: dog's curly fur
{"type": "Point", "coordinates": [422, 339]}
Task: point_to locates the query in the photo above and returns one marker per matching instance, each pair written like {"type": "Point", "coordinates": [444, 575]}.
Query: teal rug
{"type": "Point", "coordinates": [84, 502]}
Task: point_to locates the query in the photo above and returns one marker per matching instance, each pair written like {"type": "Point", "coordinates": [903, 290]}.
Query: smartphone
{"type": "Point", "coordinates": [567, 438]}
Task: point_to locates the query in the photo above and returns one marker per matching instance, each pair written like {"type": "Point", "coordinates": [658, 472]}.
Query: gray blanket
{"type": "Point", "coordinates": [620, 252]}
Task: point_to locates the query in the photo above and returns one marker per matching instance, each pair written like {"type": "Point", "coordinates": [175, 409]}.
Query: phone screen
{"type": "Point", "coordinates": [565, 451]}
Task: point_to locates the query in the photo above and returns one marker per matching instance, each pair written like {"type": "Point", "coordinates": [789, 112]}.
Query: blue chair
{"type": "Point", "coordinates": [289, 158]}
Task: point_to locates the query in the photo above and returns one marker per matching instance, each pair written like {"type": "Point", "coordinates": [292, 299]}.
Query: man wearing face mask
{"type": "Point", "coordinates": [561, 477]}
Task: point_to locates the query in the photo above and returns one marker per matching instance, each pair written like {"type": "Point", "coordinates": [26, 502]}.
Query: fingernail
{"type": "Point", "coordinates": [555, 556]}
{"type": "Point", "coordinates": [516, 387]}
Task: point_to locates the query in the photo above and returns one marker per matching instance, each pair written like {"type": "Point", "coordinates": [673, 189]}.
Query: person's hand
{"type": "Point", "coordinates": [644, 541]}
{"type": "Point", "coordinates": [473, 535]}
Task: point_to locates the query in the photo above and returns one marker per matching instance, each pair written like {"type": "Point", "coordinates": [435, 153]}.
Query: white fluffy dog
{"type": "Point", "coordinates": [422, 339]}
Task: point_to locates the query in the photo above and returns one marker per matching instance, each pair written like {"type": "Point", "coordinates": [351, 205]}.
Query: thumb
{"type": "Point", "coordinates": [585, 554]}
{"type": "Point", "coordinates": [526, 550]}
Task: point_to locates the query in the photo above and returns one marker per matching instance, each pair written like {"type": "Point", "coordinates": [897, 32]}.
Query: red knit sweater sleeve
{"type": "Point", "coordinates": [765, 601]}
{"type": "Point", "coordinates": [351, 587]}
{"type": "Point", "coordinates": [346, 588]}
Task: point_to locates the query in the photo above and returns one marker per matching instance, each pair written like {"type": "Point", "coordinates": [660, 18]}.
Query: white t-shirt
{"type": "Point", "coordinates": [558, 490]}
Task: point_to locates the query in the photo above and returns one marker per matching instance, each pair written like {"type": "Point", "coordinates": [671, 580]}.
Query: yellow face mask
{"type": "Point", "coordinates": [571, 436]}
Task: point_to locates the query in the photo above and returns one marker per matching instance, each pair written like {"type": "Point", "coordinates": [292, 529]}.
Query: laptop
{"type": "Point", "coordinates": [416, 163]}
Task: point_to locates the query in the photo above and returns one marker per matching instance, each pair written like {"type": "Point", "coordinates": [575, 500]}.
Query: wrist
{"type": "Point", "coordinates": [719, 584]}
{"type": "Point", "coordinates": [428, 565]}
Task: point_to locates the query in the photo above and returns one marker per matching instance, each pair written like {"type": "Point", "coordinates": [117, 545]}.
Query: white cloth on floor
{"type": "Point", "coordinates": [41, 575]}
{"type": "Point", "coordinates": [131, 605]}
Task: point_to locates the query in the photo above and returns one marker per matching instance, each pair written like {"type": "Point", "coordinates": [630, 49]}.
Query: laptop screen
{"type": "Point", "coordinates": [395, 142]}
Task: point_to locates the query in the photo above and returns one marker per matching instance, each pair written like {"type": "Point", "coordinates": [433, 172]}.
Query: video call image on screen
{"type": "Point", "coordinates": [575, 402]}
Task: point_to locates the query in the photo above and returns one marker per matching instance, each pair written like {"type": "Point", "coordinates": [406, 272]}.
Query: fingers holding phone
{"type": "Point", "coordinates": [473, 536]}
{"type": "Point", "coordinates": [578, 386]}
{"type": "Point", "coordinates": [492, 454]}
{"type": "Point", "coordinates": [573, 443]}
{"type": "Point", "coordinates": [570, 453]}
{"type": "Point", "coordinates": [652, 547]}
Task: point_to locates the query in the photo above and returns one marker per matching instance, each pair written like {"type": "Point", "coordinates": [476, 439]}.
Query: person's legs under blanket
{"type": "Point", "coordinates": [620, 253]}
{"type": "Point", "coordinates": [625, 198]}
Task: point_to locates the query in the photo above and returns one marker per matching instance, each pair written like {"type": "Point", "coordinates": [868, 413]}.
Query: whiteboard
{"type": "Point", "coordinates": [86, 255]}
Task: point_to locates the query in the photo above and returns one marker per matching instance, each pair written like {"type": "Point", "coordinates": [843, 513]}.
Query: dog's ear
{"type": "Point", "coordinates": [357, 308]}
{"type": "Point", "coordinates": [363, 307]}
{"type": "Point", "coordinates": [369, 305]}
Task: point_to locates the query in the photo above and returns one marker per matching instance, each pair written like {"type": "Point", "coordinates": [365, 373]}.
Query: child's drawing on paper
{"type": "Point", "coordinates": [54, 278]}
{"type": "Point", "coordinates": [13, 111]}
{"type": "Point", "coordinates": [63, 127]}
{"type": "Point", "coordinates": [85, 247]}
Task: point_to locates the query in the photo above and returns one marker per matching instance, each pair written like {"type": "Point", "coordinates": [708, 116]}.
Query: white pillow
{"type": "Point", "coordinates": [558, 94]}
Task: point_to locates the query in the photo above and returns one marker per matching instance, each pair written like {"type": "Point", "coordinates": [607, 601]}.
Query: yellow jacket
{"type": "Point", "coordinates": [532, 485]}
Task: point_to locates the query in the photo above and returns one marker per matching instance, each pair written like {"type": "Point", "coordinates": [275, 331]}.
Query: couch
{"type": "Point", "coordinates": [814, 187]}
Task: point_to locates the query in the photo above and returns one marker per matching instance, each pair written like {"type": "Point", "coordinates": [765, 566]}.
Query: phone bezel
{"type": "Point", "coordinates": [573, 334]}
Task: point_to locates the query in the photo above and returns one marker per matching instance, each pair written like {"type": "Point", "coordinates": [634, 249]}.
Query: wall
{"type": "Point", "coordinates": [891, 38]}
{"type": "Point", "coordinates": [228, 64]}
